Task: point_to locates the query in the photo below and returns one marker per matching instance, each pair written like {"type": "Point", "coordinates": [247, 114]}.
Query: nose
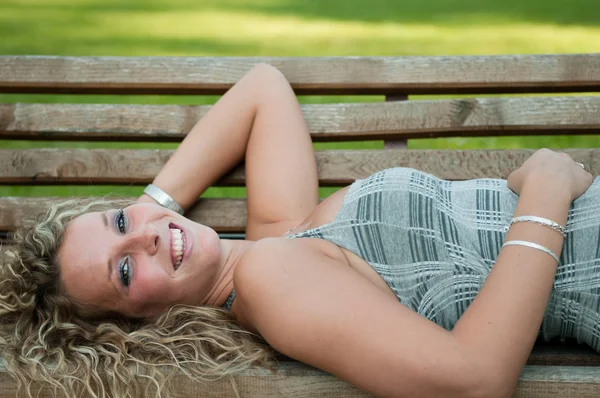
{"type": "Point", "coordinates": [144, 238]}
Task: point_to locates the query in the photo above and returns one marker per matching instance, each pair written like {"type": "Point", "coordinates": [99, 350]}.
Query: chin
{"type": "Point", "coordinates": [207, 246]}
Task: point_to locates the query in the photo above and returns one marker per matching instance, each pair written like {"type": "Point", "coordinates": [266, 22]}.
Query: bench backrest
{"type": "Point", "coordinates": [394, 120]}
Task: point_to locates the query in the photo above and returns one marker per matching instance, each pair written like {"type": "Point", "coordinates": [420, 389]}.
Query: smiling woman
{"type": "Point", "coordinates": [51, 294]}
{"type": "Point", "coordinates": [140, 249]}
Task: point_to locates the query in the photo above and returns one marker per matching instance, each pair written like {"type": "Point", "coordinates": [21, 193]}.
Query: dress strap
{"type": "Point", "coordinates": [229, 301]}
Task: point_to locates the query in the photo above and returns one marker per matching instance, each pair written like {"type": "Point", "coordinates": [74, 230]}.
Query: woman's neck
{"type": "Point", "coordinates": [232, 251]}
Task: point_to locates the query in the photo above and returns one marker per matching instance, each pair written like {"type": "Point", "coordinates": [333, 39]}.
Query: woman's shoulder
{"type": "Point", "coordinates": [273, 268]}
{"type": "Point", "coordinates": [269, 257]}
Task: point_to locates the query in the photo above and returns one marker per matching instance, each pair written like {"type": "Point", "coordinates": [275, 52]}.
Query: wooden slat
{"type": "Point", "coordinates": [326, 122]}
{"type": "Point", "coordinates": [316, 75]}
{"type": "Point", "coordinates": [563, 355]}
{"type": "Point", "coordinates": [223, 215]}
{"type": "Point", "coordinates": [397, 143]}
{"type": "Point", "coordinates": [138, 167]}
{"type": "Point", "coordinates": [559, 381]}
{"type": "Point", "coordinates": [297, 380]}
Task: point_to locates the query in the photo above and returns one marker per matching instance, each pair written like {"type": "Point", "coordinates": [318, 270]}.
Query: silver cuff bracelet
{"type": "Point", "coordinates": [533, 246]}
{"type": "Point", "coordinates": [162, 198]}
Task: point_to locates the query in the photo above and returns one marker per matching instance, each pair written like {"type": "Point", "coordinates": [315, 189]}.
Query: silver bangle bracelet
{"type": "Point", "coordinates": [541, 221]}
{"type": "Point", "coordinates": [532, 245]}
{"type": "Point", "coordinates": [162, 198]}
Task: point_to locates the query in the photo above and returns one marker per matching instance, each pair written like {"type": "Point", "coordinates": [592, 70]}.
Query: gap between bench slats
{"type": "Point", "coordinates": [326, 122]}
{"type": "Point", "coordinates": [308, 75]}
{"type": "Point", "coordinates": [336, 167]}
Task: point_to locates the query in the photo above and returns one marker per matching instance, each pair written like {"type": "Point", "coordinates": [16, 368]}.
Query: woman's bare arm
{"type": "Point", "coordinates": [321, 312]}
{"type": "Point", "coordinates": [259, 118]}
{"type": "Point", "coordinates": [500, 326]}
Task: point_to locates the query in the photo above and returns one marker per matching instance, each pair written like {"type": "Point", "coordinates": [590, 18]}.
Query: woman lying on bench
{"type": "Point", "coordinates": [402, 284]}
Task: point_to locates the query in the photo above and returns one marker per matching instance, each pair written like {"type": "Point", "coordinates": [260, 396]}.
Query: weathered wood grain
{"type": "Point", "coordinates": [223, 215]}
{"type": "Point", "coordinates": [396, 143]}
{"type": "Point", "coordinates": [316, 75]}
{"type": "Point", "coordinates": [559, 381]}
{"type": "Point", "coordinates": [326, 122]}
{"type": "Point", "coordinates": [297, 380]}
{"type": "Point", "coordinates": [335, 167]}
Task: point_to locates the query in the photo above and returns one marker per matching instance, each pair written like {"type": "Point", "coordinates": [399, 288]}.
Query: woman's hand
{"type": "Point", "coordinates": [552, 168]}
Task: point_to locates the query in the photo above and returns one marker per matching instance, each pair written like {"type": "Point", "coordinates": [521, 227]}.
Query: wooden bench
{"type": "Point", "coordinates": [552, 370]}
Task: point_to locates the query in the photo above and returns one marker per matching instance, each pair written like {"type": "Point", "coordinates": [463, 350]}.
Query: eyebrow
{"type": "Point", "coordinates": [105, 221]}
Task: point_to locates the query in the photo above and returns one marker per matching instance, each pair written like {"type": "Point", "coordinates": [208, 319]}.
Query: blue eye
{"type": "Point", "coordinates": [125, 272]}
{"type": "Point", "coordinates": [121, 221]}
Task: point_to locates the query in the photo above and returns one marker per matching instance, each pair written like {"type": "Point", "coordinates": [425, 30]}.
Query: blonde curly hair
{"type": "Point", "coordinates": [48, 342]}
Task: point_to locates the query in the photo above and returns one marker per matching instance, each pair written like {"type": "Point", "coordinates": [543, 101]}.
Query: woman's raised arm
{"type": "Point", "coordinates": [259, 118]}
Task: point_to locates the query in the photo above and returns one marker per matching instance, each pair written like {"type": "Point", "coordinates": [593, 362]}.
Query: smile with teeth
{"type": "Point", "coordinates": [177, 246]}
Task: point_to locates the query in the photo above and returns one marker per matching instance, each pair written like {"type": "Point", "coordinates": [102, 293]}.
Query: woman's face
{"type": "Point", "coordinates": [127, 260]}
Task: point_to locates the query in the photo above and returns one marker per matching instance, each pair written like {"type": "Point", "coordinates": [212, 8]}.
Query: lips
{"type": "Point", "coordinates": [178, 243]}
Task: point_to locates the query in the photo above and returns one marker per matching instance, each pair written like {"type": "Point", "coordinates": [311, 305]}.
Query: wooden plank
{"type": "Point", "coordinates": [563, 355]}
{"type": "Point", "coordinates": [327, 122]}
{"type": "Point", "coordinates": [223, 215]}
{"type": "Point", "coordinates": [559, 381]}
{"type": "Point", "coordinates": [296, 380]}
{"type": "Point", "coordinates": [398, 143]}
{"type": "Point", "coordinates": [308, 75]}
{"type": "Point", "coordinates": [335, 167]}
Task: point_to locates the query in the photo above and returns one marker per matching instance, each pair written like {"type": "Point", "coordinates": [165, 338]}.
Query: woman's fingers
{"type": "Point", "coordinates": [557, 168]}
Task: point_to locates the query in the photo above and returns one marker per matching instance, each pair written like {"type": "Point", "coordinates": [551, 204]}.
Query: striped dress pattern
{"type": "Point", "coordinates": [435, 241]}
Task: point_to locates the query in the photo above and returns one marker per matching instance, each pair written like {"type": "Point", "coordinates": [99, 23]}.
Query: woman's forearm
{"type": "Point", "coordinates": [500, 326]}
{"type": "Point", "coordinates": [216, 143]}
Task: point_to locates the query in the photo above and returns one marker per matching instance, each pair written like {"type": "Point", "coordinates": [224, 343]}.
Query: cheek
{"type": "Point", "coordinates": [208, 250]}
{"type": "Point", "coordinates": [150, 287]}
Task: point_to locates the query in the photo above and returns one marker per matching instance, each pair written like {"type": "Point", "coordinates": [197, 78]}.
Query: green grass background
{"type": "Point", "coordinates": [291, 28]}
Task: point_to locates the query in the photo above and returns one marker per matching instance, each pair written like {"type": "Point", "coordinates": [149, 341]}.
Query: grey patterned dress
{"type": "Point", "coordinates": [434, 242]}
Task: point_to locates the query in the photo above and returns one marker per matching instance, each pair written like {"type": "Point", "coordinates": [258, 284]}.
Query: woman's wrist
{"type": "Point", "coordinates": [163, 198]}
{"type": "Point", "coordinates": [545, 198]}
{"type": "Point", "coordinates": [548, 189]}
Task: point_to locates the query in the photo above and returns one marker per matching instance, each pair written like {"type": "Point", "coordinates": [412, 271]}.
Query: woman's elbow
{"type": "Point", "coordinates": [266, 71]}
{"type": "Point", "coordinates": [486, 383]}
